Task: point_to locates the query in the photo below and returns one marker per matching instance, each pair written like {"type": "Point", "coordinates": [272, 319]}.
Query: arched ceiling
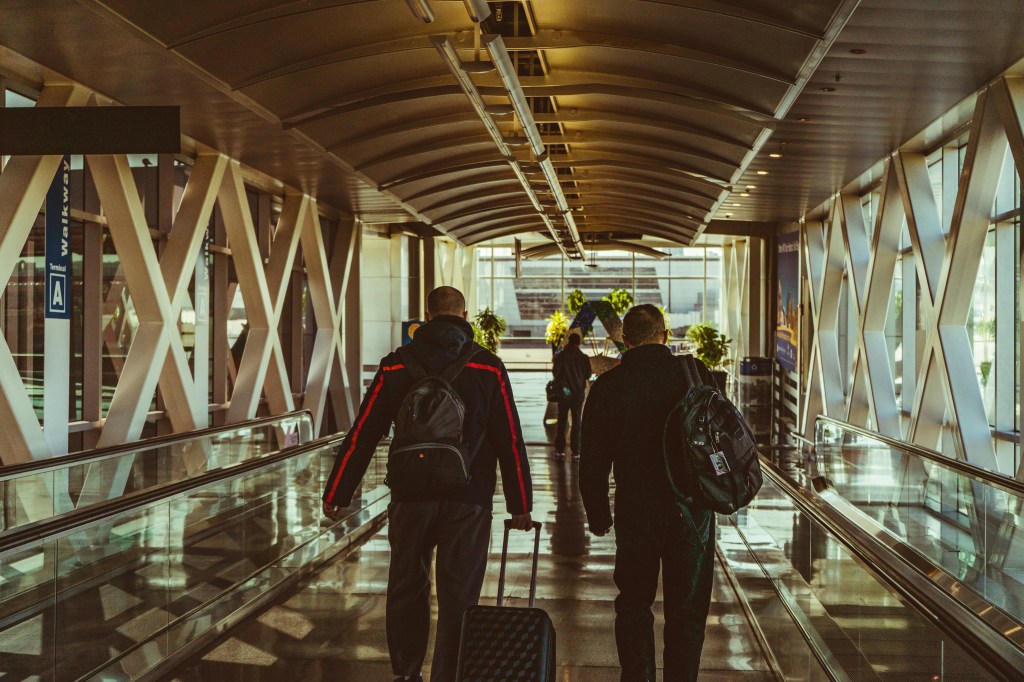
{"type": "Point", "coordinates": [581, 120]}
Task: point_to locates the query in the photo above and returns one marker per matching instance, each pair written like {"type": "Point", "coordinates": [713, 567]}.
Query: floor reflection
{"type": "Point", "coordinates": [333, 628]}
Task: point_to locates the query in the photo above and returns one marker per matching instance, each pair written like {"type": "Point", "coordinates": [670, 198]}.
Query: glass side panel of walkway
{"type": "Point", "coordinates": [36, 491]}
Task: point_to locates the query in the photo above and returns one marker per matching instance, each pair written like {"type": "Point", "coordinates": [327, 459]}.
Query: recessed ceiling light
{"type": "Point", "coordinates": [744, 194]}
{"type": "Point", "coordinates": [858, 50]}
{"type": "Point", "coordinates": [751, 186]}
{"type": "Point", "coordinates": [803, 119]}
{"type": "Point", "coordinates": [728, 215]}
{"type": "Point", "coordinates": [826, 89]}
{"type": "Point", "coordinates": [762, 172]}
{"type": "Point", "coordinates": [736, 203]}
{"type": "Point", "coordinates": [775, 155]}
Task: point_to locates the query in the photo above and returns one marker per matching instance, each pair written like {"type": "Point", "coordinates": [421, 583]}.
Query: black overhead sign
{"type": "Point", "coordinates": [90, 130]}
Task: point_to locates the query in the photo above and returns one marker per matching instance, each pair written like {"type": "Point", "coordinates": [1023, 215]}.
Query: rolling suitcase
{"type": "Point", "coordinates": [505, 643]}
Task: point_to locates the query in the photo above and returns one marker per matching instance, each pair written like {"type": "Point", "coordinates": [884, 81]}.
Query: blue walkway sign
{"type": "Point", "coordinates": [58, 244]}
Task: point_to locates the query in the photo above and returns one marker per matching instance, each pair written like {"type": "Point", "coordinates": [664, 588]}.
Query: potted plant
{"type": "Point", "coordinates": [620, 300]}
{"type": "Point", "coordinates": [488, 329]}
{"type": "Point", "coordinates": [711, 348]}
{"type": "Point", "coordinates": [575, 300]}
{"type": "Point", "coordinates": [558, 329]}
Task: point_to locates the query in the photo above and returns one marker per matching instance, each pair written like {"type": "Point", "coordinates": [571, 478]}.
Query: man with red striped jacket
{"type": "Point", "coordinates": [458, 525]}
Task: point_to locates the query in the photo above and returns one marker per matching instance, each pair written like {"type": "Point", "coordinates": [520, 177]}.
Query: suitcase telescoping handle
{"type": "Point", "coordinates": [504, 559]}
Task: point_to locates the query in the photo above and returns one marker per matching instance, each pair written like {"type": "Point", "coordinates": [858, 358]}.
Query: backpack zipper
{"type": "Point", "coordinates": [420, 446]}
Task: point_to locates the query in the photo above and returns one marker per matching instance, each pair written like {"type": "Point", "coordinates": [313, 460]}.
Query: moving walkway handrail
{"type": "Point", "coordinates": [73, 520]}
{"type": "Point", "coordinates": [969, 625]}
{"type": "Point", "coordinates": [39, 466]}
{"type": "Point", "coordinates": [985, 476]}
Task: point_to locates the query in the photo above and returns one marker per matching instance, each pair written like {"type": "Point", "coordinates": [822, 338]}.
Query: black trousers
{"type": "Point", "coordinates": [680, 546]}
{"type": "Point", "coordinates": [461, 532]}
{"type": "Point", "coordinates": [575, 406]}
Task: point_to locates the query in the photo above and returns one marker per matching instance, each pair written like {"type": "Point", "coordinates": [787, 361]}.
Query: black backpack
{"type": "Point", "coordinates": [428, 457]}
{"type": "Point", "coordinates": [710, 454]}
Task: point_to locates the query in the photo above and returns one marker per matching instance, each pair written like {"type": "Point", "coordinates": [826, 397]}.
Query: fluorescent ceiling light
{"type": "Point", "coordinates": [478, 9]}
{"type": "Point", "coordinates": [556, 188]}
{"type": "Point", "coordinates": [421, 10]}
{"type": "Point", "coordinates": [499, 55]}
{"type": "Point", "coordinates": [525, 182]}
{"type": "Point", "coordinates": [554, 234]}
{"type": "Point", "coordinates": [574, 233]}
{"type": "Point", "coordinates": [447, 53]}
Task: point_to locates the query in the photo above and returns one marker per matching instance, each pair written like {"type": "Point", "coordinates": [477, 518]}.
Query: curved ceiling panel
{"type": "Point", "coordinates": [602, 119]}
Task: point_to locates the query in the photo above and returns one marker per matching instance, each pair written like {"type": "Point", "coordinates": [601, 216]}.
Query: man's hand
{"type": "Point", "coordinates": [599, 532]}
{"type": "Point", "coordinates": [332, 511]}
{"type": "Point", "coordinates": [522, 521]}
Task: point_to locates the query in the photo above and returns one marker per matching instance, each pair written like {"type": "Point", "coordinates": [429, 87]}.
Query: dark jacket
{"type": "Point", "coordinates": [573, 367]}
{"type": "Point", "coordinates": [486, 392]}
{"type": "Point", "coordinates": [623, 423]}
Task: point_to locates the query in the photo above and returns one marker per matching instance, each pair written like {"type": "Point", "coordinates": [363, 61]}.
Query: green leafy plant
{"type": "Point", "coordinates": [575, 301]}
{"type": "Point", "coordinates": [620, 300]}
{"type": "Point", "coordinates": [712, 347]}
{"type": "Point", "coordinates": [558, 328]}
{"type": "Point", "coordinates": [488, 329]}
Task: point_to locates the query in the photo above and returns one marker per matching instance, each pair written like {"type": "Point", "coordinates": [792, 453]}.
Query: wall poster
{"type": "Point", "coordinates": [787, 331]}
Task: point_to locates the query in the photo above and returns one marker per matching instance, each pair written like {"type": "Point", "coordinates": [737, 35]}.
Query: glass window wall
{"type": "Point", "coordinates": [687, 285]}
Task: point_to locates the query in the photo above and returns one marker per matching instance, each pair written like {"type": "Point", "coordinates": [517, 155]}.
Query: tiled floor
{"type": "Point", "coordinates": [333, 628]}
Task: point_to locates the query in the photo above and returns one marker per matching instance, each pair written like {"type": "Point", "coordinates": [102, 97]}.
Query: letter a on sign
{"type": "Point", "coordinates": [57, 303]}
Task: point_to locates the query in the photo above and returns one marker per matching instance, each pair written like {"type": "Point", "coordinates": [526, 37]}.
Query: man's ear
{"type": "Point", "coordinates": [465, 314]}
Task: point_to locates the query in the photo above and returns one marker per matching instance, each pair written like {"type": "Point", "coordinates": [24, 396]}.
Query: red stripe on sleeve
{"type": "Point", "coordinates": [511, 426]}
{"type": "Point", "coordinates": [359, 426]}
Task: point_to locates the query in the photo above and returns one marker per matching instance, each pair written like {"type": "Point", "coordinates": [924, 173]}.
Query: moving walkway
{"type": "Point", "coordinates": [884, 561]}
{"type": "Point", "coordinates": [862, 559]}
{"type": "Point", "coordinates": [115, 589]}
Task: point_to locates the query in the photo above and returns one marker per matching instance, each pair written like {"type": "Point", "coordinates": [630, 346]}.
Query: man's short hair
{"type": "Point", "coordinates": [446, 301]}
{"type": "Point", "coordinates": [644, 324]}
{"type": "Point", "coordinates": [574, 339]}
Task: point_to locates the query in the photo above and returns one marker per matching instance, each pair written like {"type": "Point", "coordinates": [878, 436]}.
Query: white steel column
{"type": "Point", "coordinates": [1009, 94]}
{"type": "Point", "coordinates": [469, 273]}
{"type": "Point", "coordinates": [949, 344]}
{"type": "Point", "coordinates": [346, 376]}
{"type": "Point", "coordinates": [23, 187]}
{"type": "Point", "coordinates": [262, 364]}
{"type": "Point", "coordinates": [873, 267]}
{"type": "Point", "coordinates": [322, 295]}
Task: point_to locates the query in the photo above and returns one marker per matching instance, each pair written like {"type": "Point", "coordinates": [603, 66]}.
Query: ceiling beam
{"type": "Point", "coordinates": [557, 38]}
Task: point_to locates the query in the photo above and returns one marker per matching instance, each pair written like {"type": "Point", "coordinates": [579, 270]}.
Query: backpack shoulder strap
{"type": "Point", "coordinates": [415, 369]}
{"type": "Point", "coordinates": [698, 373]}
{"type": "Point", "coordinates": [453, 370]}
{"type": "Point", "coordinates": [690, 371]}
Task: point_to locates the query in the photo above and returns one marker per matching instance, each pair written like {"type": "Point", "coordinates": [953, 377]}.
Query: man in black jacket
{"type": "Point", "coordinates": [622, 429]}
{"type": "Point", "coordinates": [459, 524]}
{"type": "Point", "coordinates": [572, 367]}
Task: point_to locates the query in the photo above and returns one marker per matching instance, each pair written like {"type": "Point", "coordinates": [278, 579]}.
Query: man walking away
{"type": "Point", "coordinates": [572, 366]}
{"type": "Point", "coordinates": [622, 431]}
{"type": "Point", "coordinates": [458, 523]}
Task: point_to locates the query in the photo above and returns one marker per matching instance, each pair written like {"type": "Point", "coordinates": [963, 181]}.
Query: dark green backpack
{"type": "Point", "coordinates": [710, 455]}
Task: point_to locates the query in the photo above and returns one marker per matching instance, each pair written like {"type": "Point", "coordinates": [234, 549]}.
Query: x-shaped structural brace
{"type": "Point", "coordinates": [947, 272]}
